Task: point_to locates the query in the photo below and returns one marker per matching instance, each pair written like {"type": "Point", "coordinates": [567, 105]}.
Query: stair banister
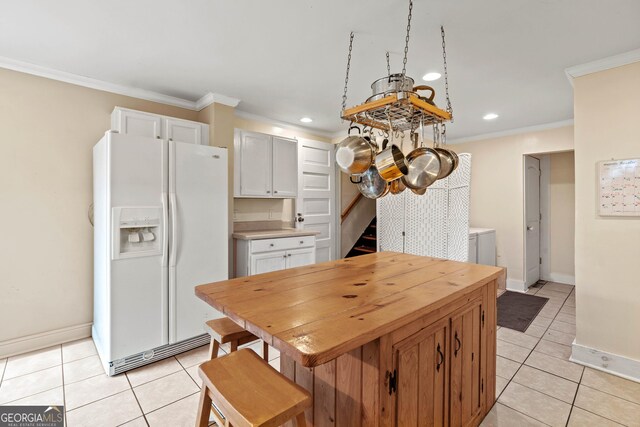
{"type": "Point", "coordinates": [349, 208]}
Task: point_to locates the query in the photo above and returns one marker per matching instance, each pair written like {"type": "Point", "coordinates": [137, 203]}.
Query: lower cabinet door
{"type": "Point", "coordinates": [267, 262]}
{"type": "Point", "coordinates": [467, 382]}
{"type": "Point", "coordinates": [421, 377]}
{"type": "Point", "coordinates": [300, 257]}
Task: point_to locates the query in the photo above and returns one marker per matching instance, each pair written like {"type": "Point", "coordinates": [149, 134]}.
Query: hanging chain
{"type": "Point", "coordinates": [443, 138]}
{"type": "Point", "coordinates": [446, 74]}
{"type": "Point", "coordinates": [346, 78]}
{"type": "Point", "coordinates": [388, 65]}
{"type": "Point", "coordinates": [406, 41]}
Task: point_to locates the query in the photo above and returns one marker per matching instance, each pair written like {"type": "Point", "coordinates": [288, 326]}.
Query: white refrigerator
{"type": "Point", "coordinates": [160, 229]}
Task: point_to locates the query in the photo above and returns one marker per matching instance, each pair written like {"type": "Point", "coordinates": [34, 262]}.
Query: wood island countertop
{"type": "Point", "coordinates": [316, 313]}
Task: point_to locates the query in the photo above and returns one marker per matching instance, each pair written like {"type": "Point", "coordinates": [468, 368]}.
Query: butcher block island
{"type": "Point", "coordinates": [385, 339]}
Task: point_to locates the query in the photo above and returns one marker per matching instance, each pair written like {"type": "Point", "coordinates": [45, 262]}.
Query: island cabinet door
{"type": "Point", "coordinates": [420, 374]}
{"type": "Point", "coordinates": [467, 379]}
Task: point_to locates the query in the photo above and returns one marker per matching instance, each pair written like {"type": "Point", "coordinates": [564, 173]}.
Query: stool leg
{"type": "Point", "coordinates": [300, 420]}
{"type": "Point", "coordinates": [204, 408]}
{"type": "Point", "coordinates": [234, 346]}
{"type": "Point", "coordinates": [213, 349]}
{"type": "Point", "coordinates": [265, 351]}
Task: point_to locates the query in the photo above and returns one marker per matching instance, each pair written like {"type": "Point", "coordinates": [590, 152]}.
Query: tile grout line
{"type": "Point", "coordinates": [64, 395]}
{"type": "Point", "coordinates": [137, 401]}
{"type": "Point", "coordinates": [573, 403]}
{"type": "Point", "coordinates": [608, 394]}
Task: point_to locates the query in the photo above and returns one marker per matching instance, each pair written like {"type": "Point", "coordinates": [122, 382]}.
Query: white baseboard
{"type": "Point", "coordinates": [516, 285]}
{"type": "Point", "coordinates": [607, 362]}
{"type": "Point", "coordinates": [562, 278]}
{"type": "Point", "coordinates": [43, 340]}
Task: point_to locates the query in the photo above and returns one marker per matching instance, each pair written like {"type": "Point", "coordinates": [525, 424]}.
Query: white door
{"type": "Point", "coordinates": [316, 195]}
{"type": "Point", "coordinates": [268, 262]}
{"type": "Point", "coordinates": [198, 238]}
{"type": "Point", "coordinates": [137, 123]}
{"type": "Point", "coordinates": [183, 131]}
{"type": "Point", "coordinates": [137, 295]}
{"type": "Point", "coordinates": [300, 257]}
{"type": "Point", "coordinates": [285, 167]}
{"type": "Point", "coordinates": [532, 220]}
{"type": "Point", "coordinates": [255, 164]}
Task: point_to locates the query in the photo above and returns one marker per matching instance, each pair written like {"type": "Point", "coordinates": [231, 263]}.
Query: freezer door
{"type": "Point", "coordinates": [199, 233]}
{"type": "Point", "coordinates": [136, 299]}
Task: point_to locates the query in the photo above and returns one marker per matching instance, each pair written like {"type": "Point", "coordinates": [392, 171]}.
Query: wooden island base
{"type": "Point", "coordinates": [438, 370]}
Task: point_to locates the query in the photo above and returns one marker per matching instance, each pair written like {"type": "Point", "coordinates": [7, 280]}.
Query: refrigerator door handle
{"type": "Point", "coordinates": [174, 229]}
{"type": "Point", "coordinates": [165, 230]}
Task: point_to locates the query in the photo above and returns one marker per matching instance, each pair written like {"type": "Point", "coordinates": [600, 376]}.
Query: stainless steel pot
{"type": "Point", "coordinates": [419, 191]}
{"type": "Point", "coordinates": [355, 154]}
{"type": "Point", "coordinates": [371, 184]}
{"type": "Point", "coordinates": [397, 186]}
{"type": "Point", "coordinates": [392, 83]}
{"type": "Point", "coordinates": [424, 168]}
{"type": "Point", "coordinates": [391, 163]}
{"type": "Point", "coordinates": [447, 162]}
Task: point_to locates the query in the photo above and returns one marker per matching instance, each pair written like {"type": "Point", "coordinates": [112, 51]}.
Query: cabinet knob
{"type": "Point", "coordinates": [271, 244]}
{"type": "Point", "coordinates": [268, 191]}
{"type": "Point", "coordinates": [301, 242]}
{"type": "Point", "coordinates": [170, 139]}
{"type": "Point", "coordinates": [275, 191]}
{"type": "Point", "coordinates": [288, 254]}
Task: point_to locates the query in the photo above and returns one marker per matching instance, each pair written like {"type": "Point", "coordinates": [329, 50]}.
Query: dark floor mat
{"type": "Point", "coordinates": [516, 311]}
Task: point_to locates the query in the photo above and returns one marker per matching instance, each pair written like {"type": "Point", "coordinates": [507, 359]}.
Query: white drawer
{"type": "Point", "coordinates": [284, 243]}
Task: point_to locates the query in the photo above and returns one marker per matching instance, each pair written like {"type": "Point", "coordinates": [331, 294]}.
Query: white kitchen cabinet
{"type": "Point", "coordinates": [267, 262]}
{"type": "Point", "coordinates": [136, 123]}
{"type": "Point", "coordinates": [266, 255]}
{"type": "Point", "coordinates": [185, 131]}
{"type": "Point", "coordinates": [139, 123]}
{"type": "Point", "coordinates": [265, 166]}
{"type": "Point", "coordinates": [254, 172]}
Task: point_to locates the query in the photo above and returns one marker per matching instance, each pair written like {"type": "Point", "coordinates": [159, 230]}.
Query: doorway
{"type": "Point", "coordinates": [549, 218]}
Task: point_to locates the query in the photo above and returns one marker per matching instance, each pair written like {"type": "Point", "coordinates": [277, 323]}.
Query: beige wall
{"type": "Point", "coordinates": [268, 209]}
{"type": "Point", "coordinates": [48, 129]}
{"type": "Point", "coordinates": [497, 188]}
{"type": "Point", "coordinates": [607, 126]}
{"type": "Point", "coordinates": [562, 217]}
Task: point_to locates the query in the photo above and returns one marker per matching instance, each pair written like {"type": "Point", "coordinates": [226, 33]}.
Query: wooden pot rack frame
{"type": "Point", "coordinates": [406, 110]}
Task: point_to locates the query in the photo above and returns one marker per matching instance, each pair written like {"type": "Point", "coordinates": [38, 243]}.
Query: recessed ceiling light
{"type": "Point", "coordinates": [306, 120]}
{"type": "Point", "coordinates": [429, 77]}
{"type": "Point", "coordinates": [490, 116]}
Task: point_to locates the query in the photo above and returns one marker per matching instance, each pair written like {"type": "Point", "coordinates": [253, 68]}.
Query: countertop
{"type": "Point", "coordinates": [318, 312]}
{"type": "Point", "coordinates": [272, 234]}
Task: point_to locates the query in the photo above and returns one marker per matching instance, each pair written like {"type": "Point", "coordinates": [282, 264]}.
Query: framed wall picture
{"type": "Point", "coordinates": [619, 187]}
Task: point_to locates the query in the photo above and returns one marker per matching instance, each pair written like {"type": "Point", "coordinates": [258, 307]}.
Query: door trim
{"type": "Point", "coordinates": [524, 221]}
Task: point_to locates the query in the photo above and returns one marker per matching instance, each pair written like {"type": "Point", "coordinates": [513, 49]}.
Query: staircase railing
{"type": "Point", "coordinates": [349, 208]}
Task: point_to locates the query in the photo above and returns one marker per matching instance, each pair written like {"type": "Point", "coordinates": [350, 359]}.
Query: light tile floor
{"type": "Point", "coordinates": [162, 394]}
{"type": "Point", "coordinates": [537, 385]}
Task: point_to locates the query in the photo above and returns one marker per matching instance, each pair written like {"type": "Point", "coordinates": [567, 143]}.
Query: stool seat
{"type": "Point", "coordinates": [225, 330]}
{"type": "Point", "coordinates": [249, 392]}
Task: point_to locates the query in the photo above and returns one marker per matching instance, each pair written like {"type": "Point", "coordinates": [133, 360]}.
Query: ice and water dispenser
{"type": "Point", "coordinates": [137, 231]}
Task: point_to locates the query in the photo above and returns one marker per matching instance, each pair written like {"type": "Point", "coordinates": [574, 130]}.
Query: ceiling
{"type": "Point", "coordinates": [285, 59]}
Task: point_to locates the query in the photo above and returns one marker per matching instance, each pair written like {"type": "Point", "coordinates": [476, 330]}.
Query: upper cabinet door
{"type": "Point", "coordinates": [255, 165]}
{"type": "Point", "coordinates": [183, 131]}
{"type": "Point", "coordinates": [285, 167]}
{"type": "Point", "coordinates": [136, 123]}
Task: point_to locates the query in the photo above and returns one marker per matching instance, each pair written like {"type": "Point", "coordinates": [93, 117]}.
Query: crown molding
{"type": "Point", "coordinates": [516, 131]}
{"type": "Point", "coordinates": [285, 125]}
{"type": "Point", "coordinates": [88, 82]}
{"type": "Point", "coordinates": [602, 64]}
{"type": "Point", "coordinates": [210, 98]}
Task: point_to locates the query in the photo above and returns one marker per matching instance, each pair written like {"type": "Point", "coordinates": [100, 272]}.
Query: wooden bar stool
{"type": "Point", "coordinates": [225, 330]}
{"type": "Point", "coordinates": [246, 391]}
